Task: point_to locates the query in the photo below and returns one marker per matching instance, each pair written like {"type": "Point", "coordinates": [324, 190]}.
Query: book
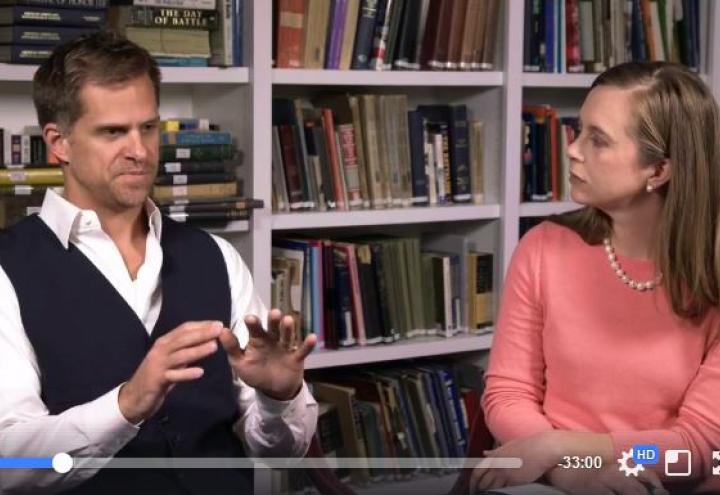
{"type": "Point", "coordinates": [162, 17]}
{"type": "Point", "coordinates": [48, 16]}
{"type": "Point", "coordinates": [196, 178]}
{"type": "Point", "coordinates": [36, 35]}
{"type": "Point", "coordinates": [195, 138]}
{"type": "Point", "coordinates": [201, 153]}
{"type": "Point", "coordinates": [65, 4]}
{"type": "Point", "coordinates": [195, 191]}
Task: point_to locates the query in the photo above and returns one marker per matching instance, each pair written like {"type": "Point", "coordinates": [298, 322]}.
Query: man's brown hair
{"type": "Point", "coordinates": [103, 58]}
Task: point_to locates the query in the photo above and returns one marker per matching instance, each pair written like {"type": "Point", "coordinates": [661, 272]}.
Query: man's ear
{"type": "Point", "coordinates": [661, 173]}
{"type": "Point", "coordinates": [56, 142]}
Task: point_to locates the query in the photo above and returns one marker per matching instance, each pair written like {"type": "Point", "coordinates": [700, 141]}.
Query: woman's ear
{"type": "Point", "coordinates": [56, 142]}
{"type": "Point", "coordinates": [661, 172]}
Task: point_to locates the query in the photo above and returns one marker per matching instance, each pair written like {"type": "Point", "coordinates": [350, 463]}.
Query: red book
{"type": "Point", "coordinates": [291, 14]}
{"type": "Point", "coordinates": [572, 43]}
{"type": "Point", "coordinates": [329, 127]}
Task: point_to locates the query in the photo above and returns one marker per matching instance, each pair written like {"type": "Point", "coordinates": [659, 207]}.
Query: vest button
{"type": "Point", "coordinates": [165, 420]}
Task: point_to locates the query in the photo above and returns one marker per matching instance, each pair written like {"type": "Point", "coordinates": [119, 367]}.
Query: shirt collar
{"type": "Point", "coordinates": [66, 219]}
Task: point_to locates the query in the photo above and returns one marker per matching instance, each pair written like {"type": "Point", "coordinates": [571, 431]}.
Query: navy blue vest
{"type": "Point", "coordinates": [88, 341]}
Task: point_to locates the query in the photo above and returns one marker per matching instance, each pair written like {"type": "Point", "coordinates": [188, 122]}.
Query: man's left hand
{"type": "Point", "coordinates": [272, 362]}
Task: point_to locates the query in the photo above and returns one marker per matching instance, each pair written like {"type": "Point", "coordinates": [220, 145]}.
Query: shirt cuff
{"type": "Point", "coordinates": [270, 408]}
{"type": "Point", "coordinates": [106, 428]}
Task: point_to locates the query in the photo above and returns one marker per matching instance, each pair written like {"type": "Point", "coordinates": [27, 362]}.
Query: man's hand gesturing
{"type": "Point", "coordinates": [166, 364]}
{"type": "Point", "coordinates": [272, 362]}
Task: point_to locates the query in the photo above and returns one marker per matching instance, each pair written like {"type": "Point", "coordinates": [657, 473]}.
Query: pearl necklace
{"type": "Point", "coordinates": [615, 265]}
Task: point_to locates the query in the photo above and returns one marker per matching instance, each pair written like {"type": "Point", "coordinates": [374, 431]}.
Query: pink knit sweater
{"type": "Point", "coordinates": [577, 350]}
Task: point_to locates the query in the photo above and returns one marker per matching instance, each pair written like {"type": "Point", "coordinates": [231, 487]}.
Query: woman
{"type": "Point", "coordinates": [608, 330]}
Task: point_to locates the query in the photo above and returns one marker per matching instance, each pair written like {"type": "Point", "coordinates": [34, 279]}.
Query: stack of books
{"type": "Point", "coordinates": [386, 34]}
{"type": "Point", "coordinates": [196, 180]}
{"type": "Point", "coordinates": [30, 29]}
{"type": "Point", "coordinates": [26, 171]}
{"type": "Point", "coordinates": [187, 33]}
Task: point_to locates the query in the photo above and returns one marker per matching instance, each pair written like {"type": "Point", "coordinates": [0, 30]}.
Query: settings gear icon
{"type": "Point", "coordinates": [623, 461]}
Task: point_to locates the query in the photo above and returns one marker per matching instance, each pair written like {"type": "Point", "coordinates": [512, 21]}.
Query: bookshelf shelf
{"type": "Point", "coordinates": [545, 209]}
{"type": "Point", "coordinates": [315, 220]}
{"type": "Point", "coordinates": [170, 75]}
{"type": "Point", "coordinates": [403, 349]}
{"type": "Point", "coordinates": [307, 77]}
{"type": "Point", "coordinates": [543, 80]}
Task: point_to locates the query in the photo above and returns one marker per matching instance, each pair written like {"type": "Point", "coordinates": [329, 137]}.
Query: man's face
{"type": "Point", "coordinates": [112, 149]}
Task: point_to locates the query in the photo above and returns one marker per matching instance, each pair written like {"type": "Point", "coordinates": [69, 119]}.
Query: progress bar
{"type": "Point", "coordinates": [63, 463]}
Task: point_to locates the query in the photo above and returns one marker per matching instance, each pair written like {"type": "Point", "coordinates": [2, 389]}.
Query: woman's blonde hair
{"type": "Point", "coordinates": [675, 118]}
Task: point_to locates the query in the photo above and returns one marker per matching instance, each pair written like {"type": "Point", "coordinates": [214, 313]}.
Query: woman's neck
{"type": "Point", "coordinates": [634, 230]}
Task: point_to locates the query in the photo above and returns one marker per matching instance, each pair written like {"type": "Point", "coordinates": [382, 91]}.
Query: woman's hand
{"type": "Point", "coordinates": [606, 481]}
{"type": "Point", "coordinates": [536, 454]}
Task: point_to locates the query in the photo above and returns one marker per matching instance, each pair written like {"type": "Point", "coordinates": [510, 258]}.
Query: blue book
{"type": "Point", "coordinates": [182, 61]}
{"type": "Point", "coordinates": [194, 138]}
{"type": "Point", "coordinates": [416, 133]}
{"type": "Point", "coordinates": [549, 19]}
{"type": "Point", "coordinates": [41, 16]}
{"type": "Point", "coordinates": [237, 6]}
{"type": "Point", "coordinates": [364, 35]}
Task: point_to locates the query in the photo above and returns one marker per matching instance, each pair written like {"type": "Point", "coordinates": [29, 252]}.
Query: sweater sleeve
{"type": "Point", "coordinates": [515, 378]}
{"type": "Point", "coordinates": [697, 426]}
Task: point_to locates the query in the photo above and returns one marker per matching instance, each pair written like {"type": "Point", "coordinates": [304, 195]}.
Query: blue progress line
{"type": "Point", "coordinates": [26, 463]}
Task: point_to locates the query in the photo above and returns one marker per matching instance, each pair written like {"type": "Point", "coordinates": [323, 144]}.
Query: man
{"type": "Point", "coordinates": [123, 333]}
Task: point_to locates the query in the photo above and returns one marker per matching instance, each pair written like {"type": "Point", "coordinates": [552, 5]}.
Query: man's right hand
{"type": "Point", "coordinates": [167, 363]}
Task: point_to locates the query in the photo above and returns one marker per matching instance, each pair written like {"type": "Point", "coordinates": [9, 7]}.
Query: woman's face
{"type": "Point", "coordinates": [605, 167]}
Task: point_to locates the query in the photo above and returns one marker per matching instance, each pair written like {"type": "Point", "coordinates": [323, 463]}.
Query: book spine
{"type": "Point", "coordinates": [37, 177]}
{"type": "Point", "coordinates": [191, 167]}
{"type": "Point", "coordinates": [182, 61]}
{"type": "Point", "coordinates": [209, 216]}
{"type": "Point", "coordinates": [334, 40]}
{"type": "Point", "coordinates": [183, 4]}
{"type": "Point", "coordinates": [168, 17]}
{"type": "Point", "coordinates": [549, 31]}
{"type": "Point", "coordinates": [57, 17]}
{"type": "Point", "coordinates": [237, 32]}
{"type": "Point", "coordinates": [65, 4]}
{"type": "Point", "coordinates": [196, 153]}
{"type": "Point", "coordinates": [292, 168]}
{"type": "Point", "coordinates": [290, 33]}
{"type": "Point", "coordinates": [329, 129]}
{"type": "Point", "coordinates": [364, 36]}
{"type": "Point", "coordinates": [572, 21]}
{"type": "Point", "coordinates": [46, 35]}
{"type": "Point", "coordinates": [163, 193]}
{"type": "Point", "coordinates": [459, 154]}
{"type": "Point", "coordinates": [197, 178]}
{"type": "Point", "coordinates": [195, 138]}
{"type": "Point", "coordinates": [417, 158]}
{"type": "Point", "coordinates": [16, 148]}
{"type": "Point", "coordinates": [188, 124]}
{"type": "Point", "coordinates": [382, 28]}
{"type": "Point", "coordinates": [346, 135]}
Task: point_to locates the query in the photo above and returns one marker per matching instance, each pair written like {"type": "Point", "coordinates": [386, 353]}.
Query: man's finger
{"type": "Point", "coordinates": [287, 332]}
{"type": "Point", "coordinates": [307, 346]}
{"type": "Point", "coordinates": [273, 322]}
{"type": "Point", "coordinates": [254, 327]}
{"type": "Point", "coordinates": [487, 481]}
{"type": "Point", "coordinates": [191, 334]}
{"type": "Point", "coordinates": [184, 375]}
{"type": "Point", "coordinates": [188, 355]}
{"type": "Point", "coordinates": [229, 342]}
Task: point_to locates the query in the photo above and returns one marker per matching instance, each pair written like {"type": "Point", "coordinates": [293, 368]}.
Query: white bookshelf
{"type": "Point", "coordinates": [403, 349]}
{"type": "Point", "coordinates": [170, 75]}
{"type": "Point", "coordinates": [544, 80]}
{"type": "Point", "coordinates": [240, 100]}
{"type": "Point", "coordinates": [398, 216]}
{"type": "Point", "coordinates": [545, 209]}
{"type": "Point", "coordinates": [308, 77]}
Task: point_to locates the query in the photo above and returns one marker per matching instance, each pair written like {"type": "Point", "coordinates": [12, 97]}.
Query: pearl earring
{"type": "Point", "coordinates": [649, 188]}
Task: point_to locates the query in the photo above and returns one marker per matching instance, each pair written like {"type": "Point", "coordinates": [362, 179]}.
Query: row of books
{"type": "Point", "coordinates": [545, 161]}
{"type": "Point", "coordinates": [377, 290]}
{"type": "Point", "coordinates": [343, 152]}
{"type": "Point", "coordinates": [424, 409]}
{"type": "Point", "coordinates": [593, 35]}
{"type": "Point", "coordinates": [386, 34]}
{"type": "Point", "coordinates": [30, 29]}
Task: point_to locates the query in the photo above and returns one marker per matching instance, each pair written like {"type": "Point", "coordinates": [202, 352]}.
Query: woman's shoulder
{"type": "Point", "coordinates": [549, 234]}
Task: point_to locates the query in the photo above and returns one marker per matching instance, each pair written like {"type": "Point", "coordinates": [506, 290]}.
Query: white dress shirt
{"type": "Point", "coordinates": [98, 429]}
